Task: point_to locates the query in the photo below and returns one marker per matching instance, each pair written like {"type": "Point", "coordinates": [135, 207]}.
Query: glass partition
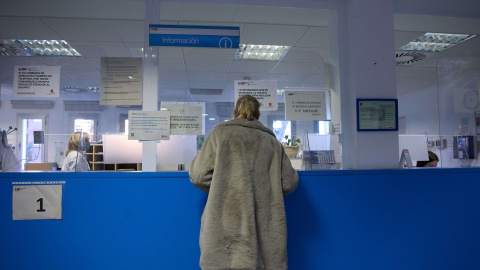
{"type": "Point", "coordinates": [185, 74]}
{"type": "Point", "coordinates": [444, 113]}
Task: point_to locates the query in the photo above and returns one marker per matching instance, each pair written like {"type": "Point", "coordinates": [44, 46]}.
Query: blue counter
{"type": "Point", "coordinates": [359, 219]}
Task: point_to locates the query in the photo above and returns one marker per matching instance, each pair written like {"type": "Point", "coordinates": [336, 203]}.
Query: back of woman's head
{"type": "Point", "coordinates": [247, 107]}
{"type": "Point", "coordinates": [432, 156]}
{"type": "Point", "coordinates": [74, 141]}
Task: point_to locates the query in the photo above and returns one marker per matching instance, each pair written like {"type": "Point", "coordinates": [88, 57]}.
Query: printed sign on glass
{"type": "Point", "coordinates": [185, 117]}
{"type": "Point", "coordinates": [36, 82]}
{"type": "Point", "coordinates": [264, 91]}
{"type": "Point", "coordinates": [148, 125]}
{"type": "Point", "coordinates": [121, 81]}
{"type": "Point", "coordinates": [307, 105]}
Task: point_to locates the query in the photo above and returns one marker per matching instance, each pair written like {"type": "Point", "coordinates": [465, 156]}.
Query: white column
{"type": "Point", "coordinates": [364, 65]}
{"type": "Point", "coordinates": [150, 83]}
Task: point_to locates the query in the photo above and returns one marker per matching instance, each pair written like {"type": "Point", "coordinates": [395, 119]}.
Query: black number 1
{"type": "Point", "coordinates": [41, 205]}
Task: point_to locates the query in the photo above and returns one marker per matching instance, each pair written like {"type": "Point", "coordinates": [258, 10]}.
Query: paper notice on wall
{"type": "Point", "coordinates": [264, 91]}
{"type": "Point", "coordinates": [36, 82]}
{"type": "Point", "coordinates": [186, 118]}
{"type": "Point", "coordinates": [306, 105]}
{"type": "Point", "coordinates": [148, 125]}
{"type": "Point", "coordinates": [37, 202]}
{"type": "Point", "coordinates": [121, 81]}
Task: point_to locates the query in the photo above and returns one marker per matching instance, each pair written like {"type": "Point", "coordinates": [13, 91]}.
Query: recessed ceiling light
{"type": "Point", "coordinates": [435, 42]}
{"type": "Point", "coordinates": [46, 47]}
{"type": "Point", "coordinates": [261, 52]}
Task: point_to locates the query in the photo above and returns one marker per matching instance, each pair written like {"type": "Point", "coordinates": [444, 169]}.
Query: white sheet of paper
{"type": "Point", "coordinates": [149, 125]}
{"type": "Point", "coordinates": [264, 91]}
{"type": "Point", "coordinates": [306, 105]}
{"type": "Point", "coordinates": [37, 202]}
{"type": "Point", "coordinates": [36, 81]}
{"type": "Point", "coordinates": [185, 117]}
{"type": "Point", "coordinates": [121, 81]}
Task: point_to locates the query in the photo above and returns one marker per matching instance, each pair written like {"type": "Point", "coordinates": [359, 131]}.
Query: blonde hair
{"type": "Point", "coordinates": [74, 140]}
{"type": "Point", "coordinates": [247, 107]}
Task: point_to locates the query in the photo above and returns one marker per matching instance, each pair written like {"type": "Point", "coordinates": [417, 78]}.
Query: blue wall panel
{"type": "Point", "coordinates": [388, 219]}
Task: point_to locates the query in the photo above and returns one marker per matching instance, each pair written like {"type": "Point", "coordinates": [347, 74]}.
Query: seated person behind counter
{"type": "Point", "coordinates": [76, 160]}
{"type": "Point", "coordinates": [432, 161]}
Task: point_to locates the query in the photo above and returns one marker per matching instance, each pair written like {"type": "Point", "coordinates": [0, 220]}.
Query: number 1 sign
{"type": "Point", "coordinates": [37, 202]}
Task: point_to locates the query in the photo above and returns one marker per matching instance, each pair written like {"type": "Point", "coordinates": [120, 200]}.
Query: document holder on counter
{"type": "Point", "coordinates": [317, 159]}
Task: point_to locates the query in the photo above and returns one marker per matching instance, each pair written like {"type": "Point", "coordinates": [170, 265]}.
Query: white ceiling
{"type": "Point", "coordinates": [116, 29]}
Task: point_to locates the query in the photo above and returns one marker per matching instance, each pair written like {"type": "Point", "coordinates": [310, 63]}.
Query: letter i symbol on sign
{"type": "Point", "coordinates": [225, 43]}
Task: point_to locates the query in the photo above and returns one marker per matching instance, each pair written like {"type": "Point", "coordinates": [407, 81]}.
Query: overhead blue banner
{"type": "Point", "coordinates": [224, 37]}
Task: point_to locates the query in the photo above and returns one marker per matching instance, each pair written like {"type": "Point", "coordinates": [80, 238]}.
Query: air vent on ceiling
{"type": "Point", "coordinates": [72, 90]}
{"type": "Point", "coordinates": [406, 58]}
{"type": "Point", "coordinates": [82, 105]}
{"type": "Point", "coordinates": [205, 91]}
{"type": "Point", "coordinates": [31, 104]}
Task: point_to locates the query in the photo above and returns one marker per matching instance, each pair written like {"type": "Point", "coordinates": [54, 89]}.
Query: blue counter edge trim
{"type": "Point", "coordinates": [184, 174]}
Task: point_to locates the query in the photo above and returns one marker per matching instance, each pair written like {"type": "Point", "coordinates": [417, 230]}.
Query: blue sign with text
{"type": "Point", "coordinates": [224, 37]}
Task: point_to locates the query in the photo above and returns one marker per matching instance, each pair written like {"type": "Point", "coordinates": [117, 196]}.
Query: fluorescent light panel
{"type": "Point", "coordinates": [261, 52]}
{"type": "Point", "coordinates": [46, 47]}
{"type": "Point", "coordinates": [435, 42]}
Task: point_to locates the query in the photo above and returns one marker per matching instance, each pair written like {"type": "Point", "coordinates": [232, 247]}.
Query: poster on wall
{"type": "Point", "coordinates": [148, 125]}
{"type": "Point", "coordinates": [307, 105]}
{"type": "Point", "coordinates": [186, 118]}
{"type": "Point", "coordinates": [264, 91]}
{"type": "Point", "coordinates": [120, 81]}
{"type": "Point", "coordinates": [377, 115]}
{"type": "Point", "coordinates": [36, 82]}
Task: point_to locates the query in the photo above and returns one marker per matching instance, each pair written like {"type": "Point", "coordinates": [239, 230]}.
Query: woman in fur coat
{"type": "Point", "coordinates": [246, 172]}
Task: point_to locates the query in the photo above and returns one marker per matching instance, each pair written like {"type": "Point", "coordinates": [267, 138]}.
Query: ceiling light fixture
{"type": "Point", "coordinates": [9, 48]}
{"type": "Point", "coordinates": [46, 47]}
{"type": "Point", "coordinates": [261, 52]}
{"type": "Point", "coordinates": [435, 42]}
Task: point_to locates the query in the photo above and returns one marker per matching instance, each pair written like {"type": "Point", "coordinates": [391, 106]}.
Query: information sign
{"type": "Point", "coordinates": [185, 117]}
{"type": "Point", "coordinates": [225, 37]}
{"type": "Point", "coordinates": [121, 81]}
{"type": "Point", "coordinates": [36, 82]}
{"type": "Point", "coordinates": [37, 202]}
{"type": "Point", "coordinates": [377, 114]}
{"type": "Point", "coordinates": [148, 125]}
{"type": "Point", "coordinates": [306, 105]}
{"type": "Point", "coordinates": [264, 91]}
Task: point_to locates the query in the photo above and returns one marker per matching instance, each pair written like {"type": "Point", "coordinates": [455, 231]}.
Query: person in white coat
{"type": "Point", "coordinates": [76, 160]}
{"type": "Point", "coordinates": [246, 172]}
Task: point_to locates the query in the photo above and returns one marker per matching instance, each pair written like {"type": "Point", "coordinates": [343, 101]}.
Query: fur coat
{"type": "Point", "coordinates": [246, 172]}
